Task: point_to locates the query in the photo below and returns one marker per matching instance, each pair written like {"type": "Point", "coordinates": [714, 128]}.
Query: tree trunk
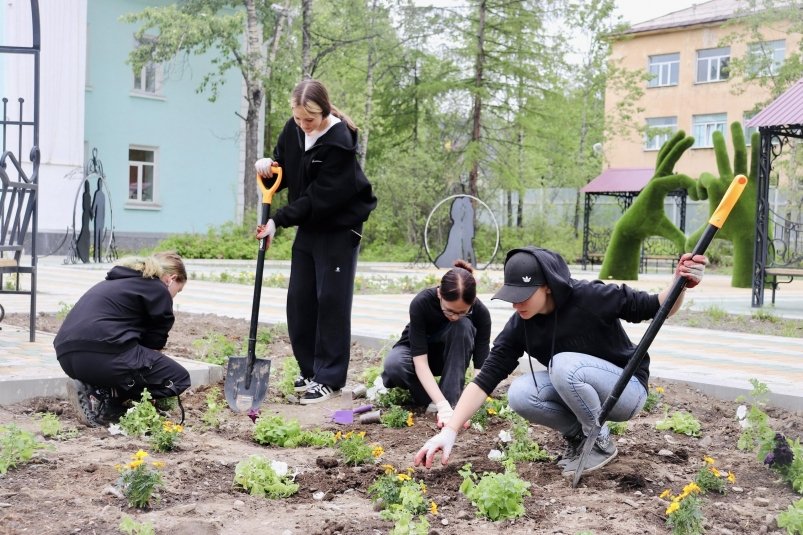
{"type": "Point", "coordinates": [476, 132]}
{"type": "Point", "coordinates": [306, 22]}
{"type": "Point", "coordinates": [369, 88]}
{"type": "Point", "coordinates": [254, 94]}
{"type": "Point", "coordinates": [281, 19]}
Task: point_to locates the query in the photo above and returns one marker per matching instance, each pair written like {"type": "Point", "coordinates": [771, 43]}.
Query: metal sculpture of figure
{"type": "Point", "coordinates": [82, 242]}
{"type": "Point", "coordinates": [461, 234]}
{"type": "Point", "coordinates": [98, 216]}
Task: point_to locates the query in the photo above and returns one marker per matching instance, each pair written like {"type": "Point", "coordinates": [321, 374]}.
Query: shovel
{"type": "Point", "coordinates": [714, 224]}
{"type": "Point", "coordinates": [246, 377]}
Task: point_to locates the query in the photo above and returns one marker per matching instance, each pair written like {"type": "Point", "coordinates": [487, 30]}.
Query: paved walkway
{"type": "Point", "coordinates": [718, 362]}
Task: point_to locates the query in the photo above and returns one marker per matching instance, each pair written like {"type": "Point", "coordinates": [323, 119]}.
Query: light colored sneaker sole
{"type": "Point", "coordinates": [301, 389]}
{"type": "Point", "coordinates": [321, 399]}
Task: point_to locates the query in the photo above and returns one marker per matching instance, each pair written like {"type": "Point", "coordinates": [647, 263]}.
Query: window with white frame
{"type": "Point", "coordinates": [766, 57]}
{"type": "Point", "coordinates": [148, 80]}
{"type": "Point", "coordinates": [142, 175]}
{"type": "Point", "coordinates": [664, 70]}
{"type": "Point", "coordinates": [712, 64]}
{"type": "Point", "coordinates": [659, 130]}
{"type": "Point", "coordinates": [704, 126]}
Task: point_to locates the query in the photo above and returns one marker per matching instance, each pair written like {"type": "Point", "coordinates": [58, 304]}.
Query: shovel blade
{"type": "Point", "coordinates": [240, 398]}
{"type": "Point", "coordinates": [588, 445]}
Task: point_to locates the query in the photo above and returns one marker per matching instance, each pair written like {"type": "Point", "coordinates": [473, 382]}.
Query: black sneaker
{"type": "Point", "coordinates": [603, 452]}
{"type": "Point", "coordinates": [574, 447]}
{"type": "Point", "coordinates": [317, 393]}
{"type": "Point", "coordinates": [302, 384]}
{"type": "Point", "coordinates": [89, 403]}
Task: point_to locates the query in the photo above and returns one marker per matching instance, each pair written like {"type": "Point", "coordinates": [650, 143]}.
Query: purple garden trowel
{"type": "Point", "coordinates": [346, 416]}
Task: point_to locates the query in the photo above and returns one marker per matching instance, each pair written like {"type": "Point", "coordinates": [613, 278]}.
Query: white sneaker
{"type": "Point", "coordinates": [317, 393]}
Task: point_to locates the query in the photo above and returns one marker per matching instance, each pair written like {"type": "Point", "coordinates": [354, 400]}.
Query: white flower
{"type": "Point", "coordinates": [115, 429]}
{"type": "Point", "coordinates": [741, 416]}
{"type": "Point", "coordinates": [281, 468]}
{"type": "Point", "coordinates": [495, 455]}
{"type": "Point", "coordinates": [505, 436]}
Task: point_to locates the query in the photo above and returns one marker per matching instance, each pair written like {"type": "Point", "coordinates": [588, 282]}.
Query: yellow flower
{"type": "Point", "coordinates": [348, 435]}
{"type": "Point", "coordinates": [134, 464]}
{"type": "Point", "coordinates": [140, 455]}
{"type": "Point", "coordinates": [433, 508]}
{"type": "Point", "coordinates": [423, 487]}
{"type": "Point", "coordinates": [158, 464]}
{"type": "Point", "coordinates": [708, 460]}
{"type": "Point", "coordinates": [377, 452]}
{"type": "Point", "coordinates": [491, 410]}
{"type": "Point", "coordinates": [389, 468]}
{"type": "Point", "coordinates": [665, 494]}
{"type": "Point", "coordinates": [489, 399]}
{"type": "Point", "coordinates": [659, 390]}
{"type": "Point", "coordinates": [410, 470]}
{"type": "Point", "coordinates": [409, 419]}
{"type": "Point", "coordinates": [731, 477]}
{"type": "Point", "coordinates": [691, 488]}
{"type": "Point", "coordinates": [674, 506]}
{"type": "Point", "coordinates": [403, 477]}
{"type": "Point", "coordinates": [714, 470]}
{"type": "Point", "coordinates": [338, 435]}
{"type": "Point", "coordinates": [361, 434]}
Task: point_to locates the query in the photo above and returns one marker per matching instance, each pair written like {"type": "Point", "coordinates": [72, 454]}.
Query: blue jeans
{"type": "Point", "coordinates": [448, 354]}
{"type": "Point", "coordinates": [568, 396]}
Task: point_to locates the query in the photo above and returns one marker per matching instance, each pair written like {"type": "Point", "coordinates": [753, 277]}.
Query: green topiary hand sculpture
{"type": "Point", "coordinates": [740, 228]}
{"type": "Point", "coordinates": [646, 216]}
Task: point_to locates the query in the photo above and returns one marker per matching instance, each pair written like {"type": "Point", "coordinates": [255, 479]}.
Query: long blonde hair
{"type": "Point", "coordinates": [312, 95]}
{"type": "Point", "coordinates": [156, 265]}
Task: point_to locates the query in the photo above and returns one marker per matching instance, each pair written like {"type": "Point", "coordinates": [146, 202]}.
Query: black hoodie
{"type": "Point", "coordinates": [586, 320]}
{"type": "Point", "coordinates": [327, 189]}
{"type": "Point", "coordinates": [118, 313]}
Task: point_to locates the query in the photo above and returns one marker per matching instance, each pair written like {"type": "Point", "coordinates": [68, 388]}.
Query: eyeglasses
{"type": "Point", "coordinates": [452, 314]}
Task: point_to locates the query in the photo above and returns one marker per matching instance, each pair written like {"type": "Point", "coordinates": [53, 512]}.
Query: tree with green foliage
{"type": "Point", "coordinates": [646, 216]}
{"type": "Point", "coordinates": [740, 228]}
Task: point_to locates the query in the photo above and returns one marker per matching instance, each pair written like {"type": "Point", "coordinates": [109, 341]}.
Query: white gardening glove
{"type": "Point", "coordinates": [263, 166]}
{"type": "Point", "coordinates": [443, 442]}
{"type": "Point", "coordinates": [445, 412]}
{"type": "Point", "coordinates": [266, 231]}
{"type": "Point", "coordinates": [691, 268]}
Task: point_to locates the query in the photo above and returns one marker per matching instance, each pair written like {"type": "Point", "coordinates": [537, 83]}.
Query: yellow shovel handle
{"type": "Point", "coordinates": [728, 201]}
{"type": "Point", "coordinates": [267, 192]}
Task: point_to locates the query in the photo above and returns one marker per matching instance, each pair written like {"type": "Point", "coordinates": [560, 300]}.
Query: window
{"type": "Point", "coordinates": [141, 175]}
{"type": "Point", "coordinates": [748, 132]}
{"type": "Point", "coordinates": [704, 126]}
{"type": "Point", "coordinates": [765, 58]}
{"type": "Point", "coordinates": [148, 81]}
{"type": "Point", "coordinates": [712, 64]}
{"type": "Point", "coordinates": [659, 130]}
{"type": "Point", "coordinates": [664, 69]}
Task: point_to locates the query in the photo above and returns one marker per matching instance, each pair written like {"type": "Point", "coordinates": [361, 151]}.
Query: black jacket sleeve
{"type": "Point", "coordinates": [504, 357]}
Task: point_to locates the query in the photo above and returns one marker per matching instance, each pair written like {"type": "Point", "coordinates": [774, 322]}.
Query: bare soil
{"type": "Point", "coordinates": [66, 488]}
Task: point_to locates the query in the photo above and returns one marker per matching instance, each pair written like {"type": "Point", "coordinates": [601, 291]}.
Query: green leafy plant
{"type": "Point", "coordinates": [653, 401]}
{"type": "Point", "coordinates": [786, 458]}
{"type": "Point", "coordinates": [276, 431]}
{"type": "Point", "coordinates": [50, 427]}
{"type": "Point", "coordinates": [617, 428]}
{"type": "Point", "coordinates": [394, 396]}
{"type": "Point", "coordinates": [496, 496]}
{"type": "Point", "coordinates": [63, 310]}
{"type": "Point", "coordinates": [370, 374]}
{"type": "Point", "coordinates": [213, 415]}
{"type": "Point", "coordinates": [129, 526]}
{"type": "Point", "coordinates": [290, 371]}
{"type": "Point", "coordinates": [262, 477]}
{"type": "Point", "coordinates": [402, 498]}
{"type": "Point", "coordinates": [139, 481]}
{"type": "Point", "coordinates": [354, 448]}
{"type": "Point", "coordinates": [214, 348]}
{"type": "Point", "coordinates": [684, 515]}
{"type": "Point", "coordinates": [521, 447]}
{"type": "Point", "coordinates": [397, 417]}
{"type": "Point", "coordinates": [792, 519]}
{"type": "Point", "coordinates": [680, 422]}
{"type": "Point", "coordinates": [142, 418]}
{"type": "Point", "coordinates": [16, 447]}
{"type": "Point", "coordinates": [710, 479]}
{"type": "Point", "coordinates": [166, 437]}
{"type": "Point", "coordinates": [490, 407]}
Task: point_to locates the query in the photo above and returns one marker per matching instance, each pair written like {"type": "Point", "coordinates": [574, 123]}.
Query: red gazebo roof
{"type": "Point", "coordinates": [785, 110]}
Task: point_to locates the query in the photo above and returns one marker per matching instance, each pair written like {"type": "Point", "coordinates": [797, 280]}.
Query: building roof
{"type": "Point", "coordinates": [703, 13]}
{"type": "Point", "coordinates": [620, 180]}
{"type": "Point", "coordinates": [785, 110]}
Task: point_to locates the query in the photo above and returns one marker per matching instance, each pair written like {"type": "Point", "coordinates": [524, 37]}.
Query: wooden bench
{"type": "Point", "coordinates": [785, 254]}
{"type": "Point", "coordinates": [17, 205]}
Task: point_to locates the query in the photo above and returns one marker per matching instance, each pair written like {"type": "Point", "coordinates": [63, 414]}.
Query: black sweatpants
{"type": "Point", "coordinates": [448, 354]}
{"type": "Point", "coordinates": [319, 298]}
{"type": "Point", "coordinates": [129, 373]}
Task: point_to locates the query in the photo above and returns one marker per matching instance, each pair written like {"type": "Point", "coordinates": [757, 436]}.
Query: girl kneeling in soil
{"type": "Point", "coordinates": [110, 340]}
{"type": "Point", "coordinates": [448, 325]}
{"type": "Point", "coordinates": [572, 327]}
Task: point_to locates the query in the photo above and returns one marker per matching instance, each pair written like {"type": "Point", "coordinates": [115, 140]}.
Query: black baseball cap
{"type": "Point", "coordinates": [523, 276]}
